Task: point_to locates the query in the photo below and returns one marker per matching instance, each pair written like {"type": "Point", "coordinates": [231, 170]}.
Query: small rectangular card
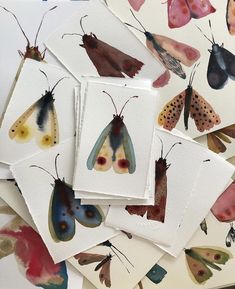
{"type": "Point", "coordinates": [90, 47]}
{"type": "Point", "coordinates": [40, 113]}
{"type": "Point", "coordinates": [119, 262]}
{"type": "Point", "coordinates": [175, 178]}
{"type": "Point", "coordinates": [66, 226]}
{"type": "Point", "coordinates": [113, 156]}
{"type": "Point", "coordinates": [24, 256]}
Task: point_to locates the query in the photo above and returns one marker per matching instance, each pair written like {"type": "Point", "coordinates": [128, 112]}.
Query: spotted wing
{"type": "Point", "coordinates": [202, 112]}
{"type": "Point", "coordinates": [170, 114]}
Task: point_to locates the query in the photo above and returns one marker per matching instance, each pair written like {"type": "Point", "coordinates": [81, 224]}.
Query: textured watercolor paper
{"type": "Point", "coordinates": [30, 87]}
{"type": "Point", "coordinates": [137, 62]}
{"type": "Point", "coordinates": [179, 185]}
{"type": "Point", "coordinates": [221, 100]}
{"type": "Point", "coordinates": [143, 255]}
{"type": "Point", "coordinates": [39, 194]}
{"type": "Point", "coordinates": [138, 119]}
{"type": "Point", "coordinates": [13, 39]}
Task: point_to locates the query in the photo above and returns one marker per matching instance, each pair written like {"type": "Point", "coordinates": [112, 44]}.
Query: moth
{"type": "Point", "coordinates": [115, 250]}
{"type": "Point", "coordinates": [136, 4]}
{"type": "Point", "coordinates": [114, 146]}
{"type": "Point", "coordinates": [199, 259]}
{"type": "Point", "coordinates": [230, 17]}
{"type": "Point", "coordinates": [194, 105]}
{"type": "Point", "coordinates": [221, 65]}
{"type": "Point", "coordinates": [39, 121]}
{"type": "Point", "coordinates": [169, 52]}
{"type": "Point", "coordinates": [180, 12]}
{"type": "Point", "coordinates": [65, 209]}
{"type": "Point", "coordinates": [203, 226]}
{"type": "Point", "coordinates": [215, 139]}
{"type": "Point", "coordinates": [224, 211]}
{"type": "Point", "coordinates": [108, 60]}
{"type": "Point", "coordinates": [32, 52]}
{"type": "Point", "coordinates": [104, 265]}
{"type": "Point", "coordinates": [32, 255]}
{"type": "Point", "coordinates": [157, 211]}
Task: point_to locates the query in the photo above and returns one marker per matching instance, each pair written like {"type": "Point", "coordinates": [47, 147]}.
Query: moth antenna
{"type": "Point", "coordinates": [204, 34]}
{"type": "Point", "coordinates": [81, 23]}
{"type": "Point", "coordinates": [28, 43]}
{"type": "Point", "coordinates": [193, 73]}
{"type": "Point", "coordinates": [71, 34]}
{"type": "Point", "coordinates": [135, 96]}
{"type": "Point", "coordinates": [122, 255]}
{"type": "Point", "coordinates": [35, 166]}
{"type": "Point", "coordinates": [171, 149]}
{"type": "Point", "coordinates": [40, 25]}
{"type": "Point", "coordinates": [111, 100]}
{"type": "Point", "coordinates": [161, 147]}
{"type": "Point", "coordinates": [44, 73]}
{"type": "Point", "coordinates": [56, 167]}
{"type": "Point", "coordinates": [213, 39]}
{"type": "Point", "coordinates": [119, 259]}
{"type": "Point", "coordinates": [59, 82]}
{"type": "Point", "coordinates": [133, 27]}
{"type": "Point", "coordinates": [138, 21]}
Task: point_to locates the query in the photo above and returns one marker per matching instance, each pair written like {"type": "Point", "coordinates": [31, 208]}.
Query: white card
{"type": "Point", "coordinates": [32, 131]}
{"type": "Point", "coordinates": [13, 39]}
{"type": "Point", "coordinates": [39, 192]}
{"type": "Point", "coordinates": [141, 254]}
{"type": "Point", "coordinates": [176, 188]}
{"type": "Point", "coordinates": [111, 35]}
{"type": "Point", "coordinates": [123, 176]}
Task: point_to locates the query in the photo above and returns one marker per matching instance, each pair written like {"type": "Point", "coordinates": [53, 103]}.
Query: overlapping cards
{"type": "Point", "coordinates": [93, 178]}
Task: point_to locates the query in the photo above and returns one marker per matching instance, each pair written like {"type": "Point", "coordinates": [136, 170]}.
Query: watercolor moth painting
{"type": "Point", "coordinates": [39, 121]}
{"type": "Point", "coordinates": [171, 53]}
{"type": "Point", "coordinates": [180, 12]}
{"type": "Point", "coordinates": [194, 105]}
{"type": "Point", "coordinates": [199, 259]}
{"type": "Point", "coordinates": [65, 209]}
{"type": "Point", "coordinates": [114, 146]}
{"type": "Point", "coordinates": [108, 60]}
{"type": "Point", "coordinates": [157, 211]}
{"type": "Point", "coordinates": [31, 255]}
{"type": "Point", "coordinates": [31, 51]}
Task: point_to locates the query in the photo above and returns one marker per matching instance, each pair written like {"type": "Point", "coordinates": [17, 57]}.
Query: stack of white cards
{"type": "Point", "coordinates": [97, 187]}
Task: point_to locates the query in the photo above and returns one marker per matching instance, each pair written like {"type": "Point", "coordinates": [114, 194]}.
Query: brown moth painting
{"type": "Point", "coordinates": [108, 60]}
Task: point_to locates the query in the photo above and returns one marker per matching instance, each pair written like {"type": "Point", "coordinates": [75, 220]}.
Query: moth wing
{"type": "Point", "coordinates": [229, 130]}
{"type": "Point", "coordinates": [125, 155]}
{"type": "Point", "coordinates": [109, 61]}
{"type": "Point", "coordinates": [198, 269]}
{"type": "Point", "coordinates": [216, 76]}
{"type": "Point", "coordinates": [180, 51]}
{"type": "Point", "coordinates": [88, 258]}
{"type": "Point", "coordinates": [178, 13]}
{"type": "Point", "coordinates": [100, 157]}
{"type": "Point", "coordinates": [87, 215]}
{"type": "Point", "coordinates": [136, 4]}
{"type": "Point", "coordinates": [170, 113]}
{"type": "Point", "coordinates": [230, 17]}
{"type": "Point", "coordinates": [49, 136]}
{"type": "Point", "coordinates": [105, 274]}
{"type": "Point", "coordinates": [61, 221]}
{"type": "Point", "coordinates": [137, 210]}
{"type": "Point", "coordinates": [165, 57]}
{"type": "Point", "coordinates": [215, 144]}
{"type": "Point", "coordinates": [200, 8]}
{"type": "Point", "coordinates": [202, 112]}
{"type": "Point", "coordinates": [229, 60]}
{"type": "Point", "coordinates": [23, 129]}
{"type": "Point", "coordinates": [212, 255]}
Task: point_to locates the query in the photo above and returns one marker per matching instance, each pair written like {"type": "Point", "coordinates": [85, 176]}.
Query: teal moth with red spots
{"type": "Point", "coordinates": [114, 146]}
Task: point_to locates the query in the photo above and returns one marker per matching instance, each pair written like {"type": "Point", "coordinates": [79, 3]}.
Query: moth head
{"type": "Point", "coordinates": [31, 51]}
